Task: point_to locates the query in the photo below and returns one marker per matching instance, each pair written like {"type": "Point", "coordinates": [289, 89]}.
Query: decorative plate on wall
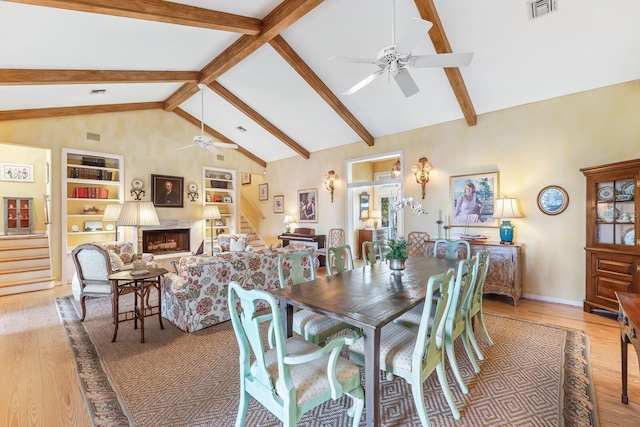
{"type": "Point", "coordinates": [553, 200]}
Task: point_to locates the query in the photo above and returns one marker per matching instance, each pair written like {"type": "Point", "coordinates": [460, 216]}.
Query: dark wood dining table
{"type": "Point", "coordinates": [368, 297]}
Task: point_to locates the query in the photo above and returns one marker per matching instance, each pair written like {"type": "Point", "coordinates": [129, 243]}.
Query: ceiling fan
{"type": "Point", "coordinates": [203, 140]}
{"type": "Point", "coordinates": [396, 59]}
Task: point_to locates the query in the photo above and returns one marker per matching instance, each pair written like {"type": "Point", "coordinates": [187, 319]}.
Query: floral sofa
{"type": "Point", "coordinates": [196, 297]}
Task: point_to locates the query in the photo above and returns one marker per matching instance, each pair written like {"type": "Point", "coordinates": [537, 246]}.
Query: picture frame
{"type": "Point", "coordinates": [167, 191]}
{"type": "Point", "coordinates": [93, 226]}
{"type": "Point", "coordinates": [245, 178]}
{"type": "Point", "coordinates": [553, 200]}
{"type": "Point", "coordinates": [263, 192]}
{"type": "Point", "coordinates": [476, 208]}
{"type": "Point", "coordinates": [278, 204]}
{"type": "Point", "coordinates": [218, 222]}
{"type": "Point", "coordinates": [307, 205]}
{"type": "Point", "coordinates": [16, 172]}
{"type": "Point", "coordinates": [364, 206]}
{"type": "Point", "coordinates": [227, 199]}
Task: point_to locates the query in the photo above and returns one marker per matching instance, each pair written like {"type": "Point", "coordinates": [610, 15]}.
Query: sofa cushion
{"type": "Point", "coordinates": [116, 262]}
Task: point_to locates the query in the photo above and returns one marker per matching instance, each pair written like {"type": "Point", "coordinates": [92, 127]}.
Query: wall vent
{"type": "Point", "coordinates": [539, 8]}
{"type": "Point", "coordinates": [220, 157]}
{"type": "Point", "coordinates": [93, 136]}
{"type": "Point", "coordinates": [97, 91]}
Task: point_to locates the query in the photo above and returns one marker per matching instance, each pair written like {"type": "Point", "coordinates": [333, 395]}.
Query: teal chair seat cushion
{"type": "Point", "coordinates": [310, 378]}
{"type": "Point", "coordinates": [315, 323]}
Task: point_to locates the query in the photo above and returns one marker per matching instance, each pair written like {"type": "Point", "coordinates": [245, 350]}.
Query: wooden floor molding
{"type": "Point", "coordinates": [39, 385]}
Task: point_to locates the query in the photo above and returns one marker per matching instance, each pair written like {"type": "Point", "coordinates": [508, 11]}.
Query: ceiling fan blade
{"type": "Point", "coordinates": [355, 60]}
{"type": "Point", "coordinates": [447, 60]}
{"type": "Point", "coordinates": [364, 82]}
{"type": "Point", "coordinates": [406, 83]}
{"type": "Point", "coordinates": [415, 31]}
{"type": "Point", "coordinates": [185, 146]}
{"type": "Point", "coordinates": [224, 144]}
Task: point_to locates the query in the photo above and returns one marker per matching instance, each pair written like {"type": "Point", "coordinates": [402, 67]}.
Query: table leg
{"type": "Point", "coordinates": [623, 351]}
{"type": "Point", "coordinates": [158, 283]}
{"type": "Point", "coordinates": [372, 375]}
{"type": "Point", "coordinates": [116, 313]}
{"type": "Point", "coordinates": [144, 289]}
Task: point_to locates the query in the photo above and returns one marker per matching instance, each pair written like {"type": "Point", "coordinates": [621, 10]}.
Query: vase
{"type": "Point", "coordinates": [396, 265]}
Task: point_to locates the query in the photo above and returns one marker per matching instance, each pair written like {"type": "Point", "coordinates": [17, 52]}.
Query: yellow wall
{"type": "Point", "coordinates": [531, 146]}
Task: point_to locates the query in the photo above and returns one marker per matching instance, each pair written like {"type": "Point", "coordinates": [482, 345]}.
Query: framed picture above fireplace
{"type": "Point", "coordinates": [167, 191]}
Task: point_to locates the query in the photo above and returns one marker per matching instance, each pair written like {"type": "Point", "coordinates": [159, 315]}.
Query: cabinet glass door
{"type": "Point", "coordinates": [615, 212]}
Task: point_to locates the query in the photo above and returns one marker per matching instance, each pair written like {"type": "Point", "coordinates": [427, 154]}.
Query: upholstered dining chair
{"type": "Point", "coordinates": [93, 267]}
{"type": "Point", "coordinates": [298, 267]}
{"type": "Point", "coordinates": [335, 238]}
{"type": "Point", "coordinates": [475, 304]}
{"type": "Point", "coordinates": [289, 376]}
{"type": "Point", "coordinates": [342, 259]}
{"type": "Point", "coordinates": [453, 248]}
{"type": "Point", "coordinates": [415, 355]}
{"type": "Point", "coordinates": [417, 243]}
{"type": "Point", "coordinates": [373, 252]}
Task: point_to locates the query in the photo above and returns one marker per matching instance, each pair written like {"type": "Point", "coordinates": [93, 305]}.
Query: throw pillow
{"type": "Point", "coordinates": [236, 245]}
{"type": "Point", "coordinates": [116, 262]}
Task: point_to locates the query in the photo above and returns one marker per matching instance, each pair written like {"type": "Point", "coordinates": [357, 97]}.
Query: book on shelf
{"type": "Point", "coordinates": [90, 193]}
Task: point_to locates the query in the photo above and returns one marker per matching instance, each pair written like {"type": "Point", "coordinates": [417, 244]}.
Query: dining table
{"type": "Point", "coordinates": [368, 298]}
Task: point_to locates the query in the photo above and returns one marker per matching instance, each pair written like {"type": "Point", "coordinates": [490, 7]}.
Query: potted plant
{"type": "Point", "coordinates": [397, 254]}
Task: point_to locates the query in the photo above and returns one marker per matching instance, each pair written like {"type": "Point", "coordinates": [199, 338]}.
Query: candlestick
{"type": "Point", "coordinates": [439, 214]}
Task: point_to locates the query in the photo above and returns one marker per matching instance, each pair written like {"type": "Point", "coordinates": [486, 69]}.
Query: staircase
{"type": "Point", "coordinates": [254, 237]}
{"type": "Point", "coordinates": [25, 264]}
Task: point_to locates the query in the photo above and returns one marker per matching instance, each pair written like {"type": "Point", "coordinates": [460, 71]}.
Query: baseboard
{"type": "Point", "coordinates": [553, 300]}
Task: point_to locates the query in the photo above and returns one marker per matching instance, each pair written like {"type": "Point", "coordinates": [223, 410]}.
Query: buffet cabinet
{"type": "Point", "coordinates": [505, 267]}
{"type": "Point", "coordinates": [612, 248]}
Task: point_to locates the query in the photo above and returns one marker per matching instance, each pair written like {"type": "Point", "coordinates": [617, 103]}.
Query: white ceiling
{"type": "Point", "coordinates": [584, 45]}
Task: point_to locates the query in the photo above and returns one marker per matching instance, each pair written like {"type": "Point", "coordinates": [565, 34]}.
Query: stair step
{"type": "Point", "coordinates": [19, 274]}
{"type": "Point", "coordinates": [28, 285]}
{"type": "Point", "coordinates": [25, 262]}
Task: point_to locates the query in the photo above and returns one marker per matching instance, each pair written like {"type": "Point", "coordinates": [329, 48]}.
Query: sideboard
{"type": "Point", "coordinates": [505, 267]}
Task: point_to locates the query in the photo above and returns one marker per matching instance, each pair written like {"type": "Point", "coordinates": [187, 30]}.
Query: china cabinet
{"type": "Point", "coordinates": [220, 189]}
{"type": "Point", "coordinates": [612, 249]}
{"type": "Point", "coordinates": [18, 215]}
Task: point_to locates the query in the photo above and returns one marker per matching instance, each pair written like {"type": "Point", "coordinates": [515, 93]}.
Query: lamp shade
{"type": "Point", "coordinates": [292, 227]}
{"type": "Point", "coordinates": [112, 212]}
{"type": "Point", "coordinates": [375, 214]}
{"type": "Point", "coordinates": [211, 212]}
{"type": "Point", "coordinates": [138, 213]}
{"type": "Point", "coordinates": [506, 208]}
{"type": "Point", "coordinates": [288, 219]}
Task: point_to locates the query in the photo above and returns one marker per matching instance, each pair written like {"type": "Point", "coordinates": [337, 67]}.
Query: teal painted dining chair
{"type": "Point", "coordinates": [453, 248]}
{"type": "Point", "coordinates": [415, 355]}
{"type": "Point", "coordinates": [298, 267]}
{"type": "Point", "coordinates": [342, 259]}
{"type": "Point", "coordinates": [373, 252]}
{"type": "Point", "coordinates": [475, 304]}
{"type": "Point", "coordinates": [287, 376]}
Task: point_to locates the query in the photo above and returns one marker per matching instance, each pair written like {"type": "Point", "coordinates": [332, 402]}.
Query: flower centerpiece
{"type": "Point", "coordinates": [397, 255]}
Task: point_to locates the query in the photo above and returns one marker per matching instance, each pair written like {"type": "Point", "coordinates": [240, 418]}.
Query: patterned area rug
{"type": "Point", "coordinates": [534, 375]}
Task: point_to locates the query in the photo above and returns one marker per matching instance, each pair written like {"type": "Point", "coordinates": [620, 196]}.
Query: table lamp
{"type": "Point", "coordinates": [288, 219]}
{"type": "Point", "coordinates": [375, 216]}
{"type": "Point", "coordinates": [292, 227]}
{"type": "Point", "coordinates": [506, 208]}
{"type": "Point", "coordinates": [137, 214]}
{"type": "Point", "coordinates": [111, 214]}
{"type": "Point", "coordinates": [211, 213]}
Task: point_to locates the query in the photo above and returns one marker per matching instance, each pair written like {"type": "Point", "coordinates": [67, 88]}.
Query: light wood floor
{"type": "Point", "coordinates": [38, 385]}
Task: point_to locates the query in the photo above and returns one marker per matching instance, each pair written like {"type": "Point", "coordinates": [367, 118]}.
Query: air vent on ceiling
{"type": "Point", "coordinates": [220, 157]}
{"type": "Point", "coordinates": [97, 92]}
{"type": "Point", "coordinates": [538, 8]}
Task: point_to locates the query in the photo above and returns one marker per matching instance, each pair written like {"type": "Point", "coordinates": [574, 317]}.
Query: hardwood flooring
{"type": "Point", "coordinates": [38, 385]}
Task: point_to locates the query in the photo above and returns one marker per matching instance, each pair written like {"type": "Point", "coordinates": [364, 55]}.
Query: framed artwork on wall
{"type": "Point", "coordinates": [307, 202]}
{"type": "Point", "coordinates": [245, 178]}
{"type": "Point", "coordinates": [553, 200]}
{"type": "Point", "coordinates": [472, 200]}
{"type": "Point", "coordinates": [278, 204]}
{"type": "Point", "coordinates": [263, 192]}
{"type": "Point", "coordinates": [166, 191]}
{"type": "Point", "coordinates": [16, 172]}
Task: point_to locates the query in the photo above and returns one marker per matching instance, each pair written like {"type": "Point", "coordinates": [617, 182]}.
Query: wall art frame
{"type": "Point", "coordinates": [167, 191]}
{"type": "Point", "coordinates": [263, 192]}
{"type": "Point", "coordinates": [16, 172]}
{"type": "Point", "coordinates": [476, 207]}
{"type": "Point", "coordinates": [245, 178]}
{"type": "Point", "coordinates": [278, 203]}
{"type": "Point", "coordinates": [553, 200]}
{"type": "Point", "coordinates": [307, 205]}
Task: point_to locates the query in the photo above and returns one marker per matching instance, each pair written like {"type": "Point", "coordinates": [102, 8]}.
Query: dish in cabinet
{"type": "Point", "coordinates": [606, 193]}
{"type": "Point", "coordinates": [628, 238]}
{"type": "Point", "coordinates": [627, 189]}
{"type": "Point", "coordinates": [608, 214]}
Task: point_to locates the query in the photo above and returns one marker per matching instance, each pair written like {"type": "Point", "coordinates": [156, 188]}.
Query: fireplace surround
{"type": "Point", "coordinates": [164, 241]}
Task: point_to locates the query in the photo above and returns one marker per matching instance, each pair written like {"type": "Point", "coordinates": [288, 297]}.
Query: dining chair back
{"type": "Point", "coordinates": [374, 251]}
{"type": "Point", "coordinates": [336, 237]}
{"type": "Point", "coordinates": [414, 355]}
{"type": "Point", "coordinates": [453, 248]}
{"type": "Point", "coordinates": [342, 259]}
{"type": "Point", "coordinates": [475, 304]}
{"type": "Point", "coordinates": [417, 243]}
{"type": "Point", "coordinates": [295, 268]}
{"type": "Point", "coordinates": [287, 376]}
{"type": "Point", "coordinates": [93, 267]}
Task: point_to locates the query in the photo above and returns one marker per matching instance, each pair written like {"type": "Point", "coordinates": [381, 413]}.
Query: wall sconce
{"type": "Point", "coordinates": [329, 179]}
{"type": "Point", "coordinates": [421, 172]}
{"type": "Point", "coordinates": [193, 192]}
{"type": "Point", "coordinates": [395, 170]}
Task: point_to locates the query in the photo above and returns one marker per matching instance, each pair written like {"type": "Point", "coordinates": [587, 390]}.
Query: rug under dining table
{"type": "Point", "coordinates": [534, 375]}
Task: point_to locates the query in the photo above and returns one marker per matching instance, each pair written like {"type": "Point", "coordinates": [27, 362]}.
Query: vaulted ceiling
{"type": "Point", "coordinates": [269, 85]}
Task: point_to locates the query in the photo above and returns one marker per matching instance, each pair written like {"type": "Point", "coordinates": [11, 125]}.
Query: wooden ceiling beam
{"type": "Point", "coordinates": [40, 113]}
{"type": "Point", "coordinates": [159, 11]}
{"type": "Point", "coordinates": [312, 79]}
{"type": "Point", "coordinates": [220, 137]}
{"type": "Point", "coordinates": [256, 117]}
{"type": "Point", "coordinates": [10, 77]}
{"type": "Point", "coordinates": [428, 11]}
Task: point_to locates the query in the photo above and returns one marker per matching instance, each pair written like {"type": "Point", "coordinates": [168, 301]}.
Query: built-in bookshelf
{"type": "Point", "coordinates": [220, 189]}
{"type": "Point", "coordinates": [90, 182]}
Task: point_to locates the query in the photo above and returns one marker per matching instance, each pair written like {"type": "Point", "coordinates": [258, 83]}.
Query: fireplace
{"type": "Point", "coordinates": [156, 241]}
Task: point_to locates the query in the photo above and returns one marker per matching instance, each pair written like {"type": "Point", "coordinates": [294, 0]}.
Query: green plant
{"type": "Point", "coordinates": [397, 249]}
